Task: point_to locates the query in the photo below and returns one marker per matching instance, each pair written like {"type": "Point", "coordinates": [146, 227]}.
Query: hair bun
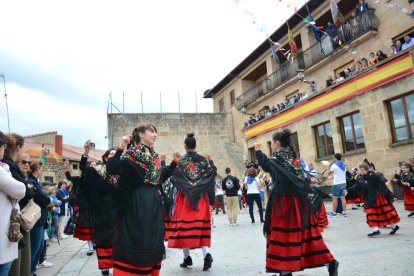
{"type": "Point", "coordinates": [287, 132]}
{"type": "Point", "coordinates": [190, 135]}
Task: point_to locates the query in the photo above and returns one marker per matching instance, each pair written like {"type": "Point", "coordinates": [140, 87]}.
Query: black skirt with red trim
{"type": "Point", "coordinates": [408, 198]}
{"type": "Point", "coordinates": [291, 247]}
{"type": "Point", "coordinates": [190, 228]}
{"type": "Point", "coordinates": [83, 233]}
{"type": "Point", "coordinates": [382, 213]}
{"type": "Point", "coordinates": [322, 218]}
{"type": "Point", "coordinates": [104, 254]}
{"type": "Point", "coordinates": [167, 223]}
{"type": "Point", "coordinates": [125, 269]}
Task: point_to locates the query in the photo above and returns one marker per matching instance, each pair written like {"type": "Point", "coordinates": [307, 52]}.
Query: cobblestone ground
{"type": "Point", "coordinates": [240, 250]}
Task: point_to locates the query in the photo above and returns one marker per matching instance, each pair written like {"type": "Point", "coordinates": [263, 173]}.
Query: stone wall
{"type": "Point", "coordinates": [214, 134]}
{"type": "Point", "coordinates": [54, 170]}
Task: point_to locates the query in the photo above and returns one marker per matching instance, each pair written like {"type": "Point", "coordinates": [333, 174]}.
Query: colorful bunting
{"type": "Point", "coordinates": [272, 48]}
{"type": "Point", "coordinates": [292, 43]}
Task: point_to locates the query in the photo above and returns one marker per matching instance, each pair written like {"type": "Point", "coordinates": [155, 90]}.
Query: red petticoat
{"type": "Point", "coordinates": [382, 213]}
{"type": "Point", "coordinates": [190, 228]}
{"type": "Point", "coordinates": [125, 269]}
{"type": "Point", "coordinates": [289, 246]}
{"type": "Point", "coordinates": [357, 200]}
{"type": "Point", "coordinates": [322, 218]}
{"type": "Point", "coordinates": [83, 233]}
{"type": "Point", "coordinates": [408, 198]}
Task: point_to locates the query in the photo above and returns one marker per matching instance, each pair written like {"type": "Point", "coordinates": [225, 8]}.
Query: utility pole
{"type": "Point", "coordinates": [179, 105]}
{"type": "Point", "coordinates": [196, 102]}
{"type": "Point", "coordinates": [7, 105]}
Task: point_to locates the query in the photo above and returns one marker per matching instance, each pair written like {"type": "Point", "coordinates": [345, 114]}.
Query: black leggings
{"type": "Point", "coordinates": [257, 198]}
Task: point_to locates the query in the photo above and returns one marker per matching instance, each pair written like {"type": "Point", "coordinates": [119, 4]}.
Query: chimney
{"type": "Point", "coordinates": [59, 144]}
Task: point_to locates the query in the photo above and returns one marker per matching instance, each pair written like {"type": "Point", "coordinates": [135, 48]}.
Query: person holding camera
{"type": "Point", "coordinates": [11, 190]}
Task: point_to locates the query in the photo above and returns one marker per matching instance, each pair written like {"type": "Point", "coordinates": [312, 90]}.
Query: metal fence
{"type": "Point", "coordinates": [346, 33]}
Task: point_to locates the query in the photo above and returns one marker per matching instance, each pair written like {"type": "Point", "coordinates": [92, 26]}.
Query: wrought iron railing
{"type": "Point", "coordinates": [346, 33]}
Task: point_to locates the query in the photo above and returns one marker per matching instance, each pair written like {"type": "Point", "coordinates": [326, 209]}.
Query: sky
{"type": "Point", "coordinates": [61, 59]}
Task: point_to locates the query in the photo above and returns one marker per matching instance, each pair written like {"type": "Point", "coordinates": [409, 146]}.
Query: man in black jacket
{"type": "Point", "coordinates": [231, 185]}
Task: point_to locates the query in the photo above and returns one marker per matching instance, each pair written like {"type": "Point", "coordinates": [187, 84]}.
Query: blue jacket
{"type": "Point", "coordinates": [40, 199]}
{"type": "Point", "coordinates": [57, 203]}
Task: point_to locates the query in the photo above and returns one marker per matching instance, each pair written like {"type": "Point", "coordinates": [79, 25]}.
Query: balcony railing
{"type": "Point", "coordinates": [347, 32]}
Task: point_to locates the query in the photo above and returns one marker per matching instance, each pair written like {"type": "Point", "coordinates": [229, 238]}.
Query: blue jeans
{"type": "Point", "coordinates": [338, 190]}
{"type": "Point", "coordinates": [5, 268]}
{"type": "Point", "coordinates": [251, 198]}
{"type": "Point", "coordinates": [240, 202]}
{"type": "Point", "coordinates": [36, 242]}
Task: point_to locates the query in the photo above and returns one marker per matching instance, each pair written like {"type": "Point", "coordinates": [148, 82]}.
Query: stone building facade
{"type": "Point", "coordinates": [368, 115]}
{"type": "Point", "coordinates": [214, 134]}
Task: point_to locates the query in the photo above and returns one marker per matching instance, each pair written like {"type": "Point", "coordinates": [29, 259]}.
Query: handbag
{"type": "Point", "coordinates": [14, 234]}
{"type": "Point", "coordinates": [29, 215]}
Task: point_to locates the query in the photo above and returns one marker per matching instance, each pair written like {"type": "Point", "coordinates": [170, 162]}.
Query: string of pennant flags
{"type": "Point", "coordinates": [337, 19]}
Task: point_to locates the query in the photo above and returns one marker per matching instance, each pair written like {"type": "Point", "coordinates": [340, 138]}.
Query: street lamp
{"type": "Point", "coordinates": [301, 75]}
{"type": "Point", "coordinates": [7, 105]}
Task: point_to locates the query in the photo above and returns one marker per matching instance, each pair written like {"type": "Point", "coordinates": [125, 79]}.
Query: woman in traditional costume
{"type": "Point", "coordinates": [378, 201]}
{"type": "Point", "coordinates": [190, 225]}
{"type": "Point", "coordinates": [294, 241]}
{"type": "Point", "coordinates": [138, 247]}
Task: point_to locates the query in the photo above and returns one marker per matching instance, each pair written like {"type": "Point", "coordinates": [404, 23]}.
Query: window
{"type": "Point", "coordinates": [75, 166]}
{"type": "Point", "coordinates": [295, 143]}
{"type": "Point", "coordinates": [232, 98]}
{"type": "Point", "coordinates": [401, 112]}
{"type": "Point", "coordinates": [352, 134]}
{"type": "Point", "coordinates": [324, 141]}
{"type": "Point", "coordinates": [49, 179]}
{"type": "Point", "coordinates": [221, 106]}
{"type": "Point", "coordinates": [252, 154]}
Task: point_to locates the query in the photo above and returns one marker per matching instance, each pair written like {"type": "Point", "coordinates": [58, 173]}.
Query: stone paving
{"type": "Point", "coordinates": [240, 250]}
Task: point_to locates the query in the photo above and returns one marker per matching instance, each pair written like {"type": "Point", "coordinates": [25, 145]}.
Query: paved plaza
{"type": "Point", "coordinates": [240, 250]}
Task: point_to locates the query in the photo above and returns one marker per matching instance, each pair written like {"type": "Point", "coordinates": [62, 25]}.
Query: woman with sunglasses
{"type": "Point", "coordinates": [12, 155]}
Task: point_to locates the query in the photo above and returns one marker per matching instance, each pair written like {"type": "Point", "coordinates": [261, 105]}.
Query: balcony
{"type": "Point", "coordinates": [350, 31]}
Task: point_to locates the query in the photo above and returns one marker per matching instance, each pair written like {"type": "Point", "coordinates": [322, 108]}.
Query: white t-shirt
{"type": "Point", "coordinates": [219, 188]}
{"type": "Point", "coordinates": [252, 188]}
{"type": "Point", "coordinates": [339, 176]}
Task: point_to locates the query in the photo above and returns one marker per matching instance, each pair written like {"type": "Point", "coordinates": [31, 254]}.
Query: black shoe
{"type": "Point", "coordinates": [89, 253]}
{"type": "Point", "coordinates": [333, 268]}
{"type": "Point", "coordinates": [411, 214]}
{"type": "Point", "coordinates": [105, 271]}
{"type": "Point", "coordinates": [394, 230]}
{"type": "Point", "coordinates": [374, 234]}
{"type": "Point", "coordinates": [208, 260]}
{"type": "Point", "coordinates": [187, 262]}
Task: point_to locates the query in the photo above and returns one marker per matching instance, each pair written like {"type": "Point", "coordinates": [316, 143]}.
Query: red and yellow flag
{"type": "Point", "coordinates": [292, 43]}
